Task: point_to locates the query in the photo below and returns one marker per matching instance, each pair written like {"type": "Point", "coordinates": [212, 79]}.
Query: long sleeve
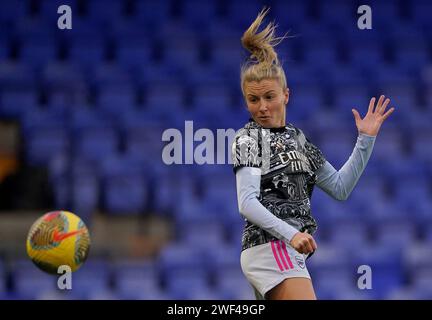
{"type": "Point", "coordinates": [248, 181]}
{"type": "Point", "coordinates": [339, 184]}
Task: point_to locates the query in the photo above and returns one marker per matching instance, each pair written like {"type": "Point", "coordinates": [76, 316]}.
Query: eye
{"type": "Point", "coordinates": [269, 97]}
{"type": "Point", "coordinates": [252, 99]}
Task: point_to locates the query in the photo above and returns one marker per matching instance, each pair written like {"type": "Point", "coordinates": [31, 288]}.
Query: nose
{"type": "Point", "coordinates": [263, 105]}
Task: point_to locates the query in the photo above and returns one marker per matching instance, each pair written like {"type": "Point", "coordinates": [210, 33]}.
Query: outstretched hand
{"type": "Point", "coordinates": [374, 118]}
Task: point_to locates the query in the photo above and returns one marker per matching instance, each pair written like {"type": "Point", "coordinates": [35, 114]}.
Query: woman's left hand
{"type": "Point", "coordinates": [373, 120]}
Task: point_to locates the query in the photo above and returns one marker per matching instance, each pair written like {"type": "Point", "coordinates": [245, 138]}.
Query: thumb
{"type": "Point", "coordinates": [356, 115]}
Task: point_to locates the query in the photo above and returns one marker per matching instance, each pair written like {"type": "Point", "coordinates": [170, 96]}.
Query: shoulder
{"type": "Point", "coordinates": [249, 133]}
{"type": "Point", "coordinates": [301, 137]}
{"type": "Point", "coordinates": [246, 147]}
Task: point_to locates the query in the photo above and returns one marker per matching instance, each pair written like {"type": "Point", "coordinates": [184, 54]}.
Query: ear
{"type": "Point", "coordinates": [286, 94]}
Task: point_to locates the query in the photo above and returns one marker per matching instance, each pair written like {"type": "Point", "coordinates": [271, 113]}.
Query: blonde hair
{"type": "Point", "coordinates": [263, 62]}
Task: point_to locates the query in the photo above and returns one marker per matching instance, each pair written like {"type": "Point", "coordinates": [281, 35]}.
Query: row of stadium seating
{"type": "Point", "coordinates": [215, 274]}
{"type": "Point", "coordinates": [195, 12]}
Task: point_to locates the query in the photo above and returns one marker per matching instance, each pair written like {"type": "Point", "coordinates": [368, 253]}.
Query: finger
{"type": "Point", "coordinates": [371, 104]}
{"type": "Point", "coordinates": [356, 115]}
{"type": "Point", "coordinates": [384, 106]}
{"type": "Point", "coordinates": [388, 113]}
{"type": "Point", "coordinates": [308, 246]}
{"type": "Point", "coordinates": [379, 104]}
{"type": "Point", "coordinates": [314, 244]}
{"type": "Point", "coordinates": [299, 248]}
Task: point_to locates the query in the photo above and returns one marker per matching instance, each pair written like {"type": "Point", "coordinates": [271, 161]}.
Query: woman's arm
{"type": "Point", "coordinates": [339, 184]}
{"type": "Point", "coordinates": [248, 181]}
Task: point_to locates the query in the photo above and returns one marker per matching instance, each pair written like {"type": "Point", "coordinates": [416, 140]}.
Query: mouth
{"type": "Point", "coordinates": [264, 118]}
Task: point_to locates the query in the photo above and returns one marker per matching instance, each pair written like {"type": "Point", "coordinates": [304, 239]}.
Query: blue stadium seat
{"type": "Point", "coordinates": [198, 13]}
{"type": "Point", "coordinates": [143, 139]}
{"type": "Point", "coordinates": [389, 145]}
{"type": "Point", "coordinates": [136, 279]}
{"type": "Point", "coordinates": [306, 97]}
{"type": "Point", "coordinates": [222, 257]}
{"type": "Point", "coordinates": [15, 75]}
{"type": "Point", "coordinates": [421, 282]}
{"type": "Point", "coordinates": [233, 285]}
{"type": "Point", "coordinates": [87, 51]}
{"type": "Point", "coordinates": [356, 294]}
{"type": "Point", "coordinates": [83, 28]}
{"type": "Point", "coordinates": [337, 12]}
{"type": "Point", "coordinates": [227, 53]}
{"type": "Point", "coordinates": [134, 51]}
{"type": "Point", "coordinates": [386, 264]}
{"type": "Point", "coordinates": [153, 12]}
{"type": "Point", "coordinates": [179, 257]}
{"type": "Point", "coordinates": [90, 283]}
{"type": "Point", "coordinates": [349, 235]}
{"type": "Point", "coordinates": [4, 47]}
{"type": "Point", "coordinates": [182, 283]}
{"type": "Point", "coordinates": [289, 15]}
{"type": "Point", "coordinates": [332, 257]}
{"type": "Point", "coordinates": [389, 12]}
{"type": "Point", "coordinates": [418, 257]}
{"type": "Point", "coordinates": [85, 193]}
{"type": "Point", "coordinates": [241, 13]}
{"type": "Point", "coordinates": [347, 97]}
{"type": "Point", "coordinates": [330, 283]}
{"type": "Point", "coordinates": [164, 99]}
{"type": "Point", "coordinates": [337, 149]}
{"type": "Point", "coordinates": [204, 294]}
{"type": "Point", "coordinates": [96, 143]}
{"type": "Point", "coordinates": [45, 143]}
{"type": "Point", "coordinates": [420, 13]}
{"type": "Point", "coordinates": [404, 293]}
{"type": "Point", "coordinates": [58, 169]}
{"type": "Point", "coordinates": [347, 78]}
{"type": "Point", "coordinates": [125, 194]}
{"type": "Point", "coordinates": [403, 97]}
{"type": "Point", "coordinates": [300, 74]}
{"type": "Point", "coordinates": [114, 100]}
{"type": "Point", "coordinates": [212, 97]}
{"type": "Point", "coordinates": [104, 11]}
{"type": "Point", "coordinates": [420, 145]}
{"type": "Point", "coordinates": [412, 55]}
{"type": "Point", "coordinates": [113, 74]}
{"type": "Point", "coordinates": [206, 74]}
{"type": "Point", "coordinates": [387, 75]}
{"type": "Point", "coordinates": [34, 119]}
{"type": "Point", "coordinates": [13, 11]}
{"type": "Point", "coordinates": [184, 49]}
{"type": "Point", "coordinates": [85, 118]}
{"type": "Point", "coordinates": [413, 189]}
{"type": "Point", "coordinates": [205, 235]}
{"type": "Point", "coordinates": [398, 234]}
{"type": "Point", "coordinates": [321, 53]}
{"type": "Point", "coordinates": [38, 51]}
{"type": "Point", "coordinates": [64, 84]}
{"type": "Point", "coordinates": [367, 55]}
{"type": "Point", "coordinates": [30, 28]}
{"type": "Point", "coordinates": [15, 102]}
{"type": "Point", "coordinates": [30, 282]}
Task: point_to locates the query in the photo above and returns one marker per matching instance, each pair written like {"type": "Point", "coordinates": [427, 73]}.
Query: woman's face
{"type": "Point", "coordinates": [266, 101]}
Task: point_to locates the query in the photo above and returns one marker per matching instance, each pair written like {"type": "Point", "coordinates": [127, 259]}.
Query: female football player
{"type": "Point", "coordinates": [276, 168]}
